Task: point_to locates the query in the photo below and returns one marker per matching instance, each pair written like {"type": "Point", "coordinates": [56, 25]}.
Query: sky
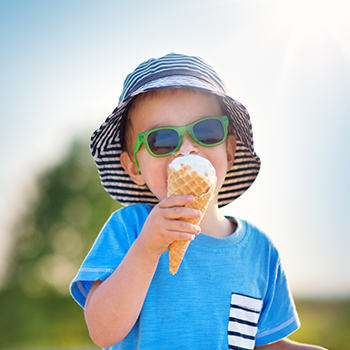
{"type": "Point", "coordinates": [62, 66]}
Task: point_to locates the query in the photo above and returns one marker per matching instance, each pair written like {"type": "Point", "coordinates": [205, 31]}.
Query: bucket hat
{"type": "Point", "coordinates": [172, 71]}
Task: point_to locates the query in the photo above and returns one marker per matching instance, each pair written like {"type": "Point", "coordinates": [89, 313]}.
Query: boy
{"type": "Point", "coordinates": [230, 290]}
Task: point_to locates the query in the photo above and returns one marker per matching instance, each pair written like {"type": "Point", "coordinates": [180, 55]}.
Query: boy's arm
{"type": "Point", "coordinates": [113, 306]}
{"type": "Point", "coordinates": [286, 344]}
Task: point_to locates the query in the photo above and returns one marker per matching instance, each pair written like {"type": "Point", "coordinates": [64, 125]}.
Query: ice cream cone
{"type": "Point", "coordinates": [190, 175]}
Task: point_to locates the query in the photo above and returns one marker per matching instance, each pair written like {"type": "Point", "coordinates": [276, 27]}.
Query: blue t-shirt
{"type": "Point", "coordinates": [229, 293]}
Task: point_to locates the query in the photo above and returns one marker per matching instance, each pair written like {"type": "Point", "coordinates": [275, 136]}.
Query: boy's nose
{"type": "Point", "coordinates": [188, 145]}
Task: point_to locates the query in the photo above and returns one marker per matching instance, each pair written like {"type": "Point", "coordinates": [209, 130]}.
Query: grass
{"type": "Point", "coordinates": [325, 323]}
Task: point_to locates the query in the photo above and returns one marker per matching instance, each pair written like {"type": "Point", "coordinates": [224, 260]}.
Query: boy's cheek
{"type": "Point", "coordinates": [154, 172]}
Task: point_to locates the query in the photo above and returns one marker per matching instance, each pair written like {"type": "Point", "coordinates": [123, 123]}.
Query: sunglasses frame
{"type": "Point", "coordinates": [143, 137]}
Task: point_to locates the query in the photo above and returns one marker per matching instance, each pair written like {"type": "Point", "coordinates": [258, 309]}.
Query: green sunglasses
{"type": "Point", "coordinates": [166, 140]}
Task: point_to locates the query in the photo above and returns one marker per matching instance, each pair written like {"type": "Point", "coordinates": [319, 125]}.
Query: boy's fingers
{"type": "Point", "coordinates": [183, 226]}
{"type": "Point", "coordinates": [183, 236]}
{"type": "Point", "coordinates": [181, 212]}
{"type": "Point", "coordinates": [176, 201]}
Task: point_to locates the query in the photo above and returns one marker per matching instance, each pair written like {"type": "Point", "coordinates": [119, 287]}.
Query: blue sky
{"type": "Point", "coordinates": [288, 61]}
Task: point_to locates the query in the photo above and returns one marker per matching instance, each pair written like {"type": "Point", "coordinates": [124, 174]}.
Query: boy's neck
{"type": "Point", "coordinates": [215, 224]}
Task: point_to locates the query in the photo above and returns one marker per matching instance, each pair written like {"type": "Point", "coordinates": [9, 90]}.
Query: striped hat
{"type": "Point", "coordinates": [172, 71]}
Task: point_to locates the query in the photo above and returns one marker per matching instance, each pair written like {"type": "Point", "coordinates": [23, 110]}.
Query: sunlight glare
{"type": "Point", "coordinates": [311, 16]}
{"type": "Point", "coordinates": [317, 26]}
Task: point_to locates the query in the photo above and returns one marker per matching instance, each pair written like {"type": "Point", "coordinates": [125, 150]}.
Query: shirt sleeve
{"type": "Point", "coordinates": [109, 249]}
{"type": "Point", "coordinates": [278, 318]}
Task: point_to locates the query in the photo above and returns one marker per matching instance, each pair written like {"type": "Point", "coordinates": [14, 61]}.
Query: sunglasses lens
{"type": "Point", "coordinates": [209, 131]}
{"type": "Point", "coordinates": [163, 141]}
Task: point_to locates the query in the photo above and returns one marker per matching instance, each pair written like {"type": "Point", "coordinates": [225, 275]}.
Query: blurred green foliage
{"type": "Point", "coordinates": [60, 224]}
{"type": "Point", "coordinates": [52, 238]}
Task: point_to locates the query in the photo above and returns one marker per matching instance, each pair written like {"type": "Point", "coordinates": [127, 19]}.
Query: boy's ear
{"type": "Point", "coordinates": [230, 150]}
{"type": "Point", "coordinates": [131, 168]}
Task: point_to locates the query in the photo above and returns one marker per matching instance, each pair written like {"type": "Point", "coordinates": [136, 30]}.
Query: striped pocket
{"type": "Point", "coordinates": [242, 325]}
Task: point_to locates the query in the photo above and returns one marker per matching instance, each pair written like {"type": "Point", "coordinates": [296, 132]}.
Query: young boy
{"type": "Point", "coordinates": [230, 291]}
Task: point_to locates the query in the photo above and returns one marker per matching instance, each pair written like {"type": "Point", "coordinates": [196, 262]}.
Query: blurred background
{"type": "Point", "coordinates": [62, 66]}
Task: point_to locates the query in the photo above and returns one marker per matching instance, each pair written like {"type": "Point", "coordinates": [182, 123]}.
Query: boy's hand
{"type": "Point", "coordinates": [163, 225]}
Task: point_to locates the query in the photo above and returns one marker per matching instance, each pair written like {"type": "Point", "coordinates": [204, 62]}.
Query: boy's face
{"type": "Point", "coordinates": [174, 108]}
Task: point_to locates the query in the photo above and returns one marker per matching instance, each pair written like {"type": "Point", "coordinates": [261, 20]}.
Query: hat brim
{"type": "Point", "coordinates": [106, 147]}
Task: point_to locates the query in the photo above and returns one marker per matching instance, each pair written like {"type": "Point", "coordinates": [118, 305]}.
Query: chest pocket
{"type": "Point", "coordinates": [243, 321]}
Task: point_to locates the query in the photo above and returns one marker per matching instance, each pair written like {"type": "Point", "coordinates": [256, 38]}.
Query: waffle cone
{"type": "Point", "coordinates": [186, 181]}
